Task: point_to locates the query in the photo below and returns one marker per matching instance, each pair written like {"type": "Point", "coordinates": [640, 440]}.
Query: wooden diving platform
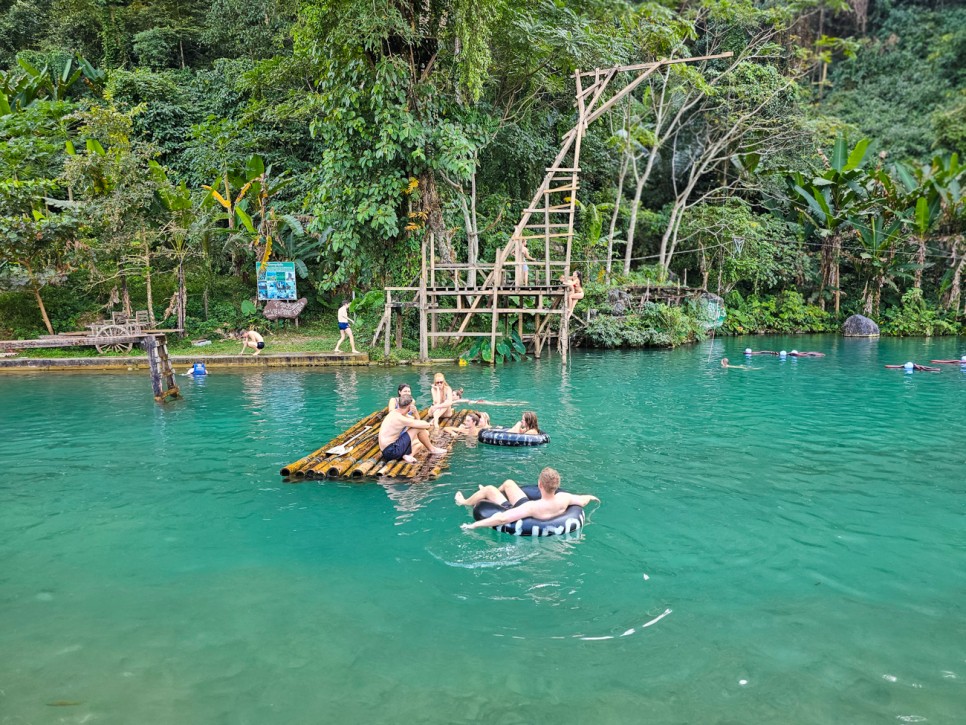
{"type": "Point", "coordinates": [362, 458]}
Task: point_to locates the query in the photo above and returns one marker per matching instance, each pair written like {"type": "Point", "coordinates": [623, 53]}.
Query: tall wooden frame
{"type": "Point", "coordinates": [548, 218]}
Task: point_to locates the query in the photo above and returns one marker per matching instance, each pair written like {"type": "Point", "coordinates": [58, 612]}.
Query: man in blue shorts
{"type": "Point", "coordinates": [344, 328]}
{"type": "Point", "coordinates": [395, 441]}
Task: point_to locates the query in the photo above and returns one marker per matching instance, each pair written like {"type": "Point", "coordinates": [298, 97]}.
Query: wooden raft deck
{"type": "Point", "coordinates": [362, 459]}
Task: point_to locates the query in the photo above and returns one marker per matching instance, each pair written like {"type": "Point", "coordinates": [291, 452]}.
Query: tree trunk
{"type": "Point", "coordinates": [125, 295]}
{"type": "Point", "coordinates": [951, 299]}
{"type": "Point", "coordinates": [613, 217]}
{"type": "Point", "coordinates": [147, 278]}
{"type": "Point", "coordinates": [182, 296]}
{"type": "Point", "coordinates": [40, 306]}
{"type": "Point", "coordinates": [920, 261]}
{"type": "Point", "coordinates": [632, 224]}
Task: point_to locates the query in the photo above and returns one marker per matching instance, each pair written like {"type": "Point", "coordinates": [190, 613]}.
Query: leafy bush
{"type": "Point", "coordinates": [915, 318]}
{"type": "Point", "coordinates": [656, 325]}
{"type": "Point", "coordinates": [786, 312]}
{"type": "Point", "coordinates": [507, 348]}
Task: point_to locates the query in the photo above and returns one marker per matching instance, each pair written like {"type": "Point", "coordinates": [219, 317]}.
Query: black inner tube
{"type": "Point", "coordinates": [569, 521]}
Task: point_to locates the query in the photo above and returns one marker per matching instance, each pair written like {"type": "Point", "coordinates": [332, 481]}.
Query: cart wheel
{"type": "Point", "coordinates": [113, 331]}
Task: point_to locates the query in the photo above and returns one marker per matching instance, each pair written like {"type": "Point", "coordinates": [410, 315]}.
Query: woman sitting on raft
{"type": "Point", "coordinates": [443, 399]}
{"type": "Point", "coordinates": [551, 504]}
{"type": "Point", "coordinates": [527, 425]}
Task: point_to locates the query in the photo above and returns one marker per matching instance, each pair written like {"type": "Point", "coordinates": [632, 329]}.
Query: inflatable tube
{"type": "Point", "coordinates": [569, 521]}
{"type": "Point", "coordinates": [503, 437]}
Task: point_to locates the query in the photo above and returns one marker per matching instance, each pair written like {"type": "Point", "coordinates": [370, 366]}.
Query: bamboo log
{"type": "Point", "coordinates": [318, 455]}
{"type": "Point", "coordinates": [359, 452]}
{"type": "Point", "coordinates": [301, 468]}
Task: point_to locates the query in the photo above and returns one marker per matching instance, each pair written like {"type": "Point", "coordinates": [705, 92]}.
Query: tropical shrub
{"type": "Point", "coordinates": [786, 312]}
{"type": "Point", "coordinates": [915, 318]}
{"type": "Point", "coordinates": [655, 325]}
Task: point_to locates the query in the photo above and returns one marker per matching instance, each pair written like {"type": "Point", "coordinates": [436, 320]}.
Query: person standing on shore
{"type": "Point", "coordinates": [344, 328]}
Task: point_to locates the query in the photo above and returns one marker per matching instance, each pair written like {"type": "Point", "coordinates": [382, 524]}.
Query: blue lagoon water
{"type": "Point", "coordinates": [782, 545]}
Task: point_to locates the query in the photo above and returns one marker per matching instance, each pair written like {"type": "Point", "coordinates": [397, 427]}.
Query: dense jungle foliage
{"type": "Point", "coordinates": [153, 153]}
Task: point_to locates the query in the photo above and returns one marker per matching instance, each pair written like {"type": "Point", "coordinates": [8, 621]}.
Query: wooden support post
{"type": "Point", "coordinates": [160, 367]}
{"type": "Point", "coordinates": [150, 345]}
{"type": "Point", "coordinates": [423, 336]}
{"type": "Point", "coordinates": [537, 344]}
{"type": "Point", "coordinates": [563, 341]}
{"type": "Point", "coordinates": [166, 370]}
{"type": "Point", "coordinates": [495, 321]}
{"type": "Point", "coordinates": [399, 331]}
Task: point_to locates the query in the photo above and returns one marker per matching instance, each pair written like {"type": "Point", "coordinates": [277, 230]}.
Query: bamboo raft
{"type": "Point", "coordinates": [362, 458]}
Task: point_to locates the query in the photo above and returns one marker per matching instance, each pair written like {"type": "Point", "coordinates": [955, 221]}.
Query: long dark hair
{"type": "Point", "coordinates": [530, 420]}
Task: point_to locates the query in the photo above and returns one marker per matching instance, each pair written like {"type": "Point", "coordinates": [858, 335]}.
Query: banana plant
{"type": "Point", "coordinates": [248, 211]}
{"type": "Point", "coordinates": [507, 348]}
{"type": "Point", "coordinates": [877, 242]}
{"type": "Point", "coordinates": [827, 201]}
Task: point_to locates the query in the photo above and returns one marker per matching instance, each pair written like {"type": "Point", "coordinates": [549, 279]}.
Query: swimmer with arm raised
{"type": "Point", "coordinates": [516, 505]}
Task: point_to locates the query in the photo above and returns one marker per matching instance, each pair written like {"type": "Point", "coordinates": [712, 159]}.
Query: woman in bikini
{"type": "Point", "coordinates": [573, 282]}
{"type": "Point", "coordinates": [443, 399]}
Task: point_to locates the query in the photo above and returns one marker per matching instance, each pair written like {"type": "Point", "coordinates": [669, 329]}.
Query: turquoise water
{"type": "Point", "coordinates": [776, 545]}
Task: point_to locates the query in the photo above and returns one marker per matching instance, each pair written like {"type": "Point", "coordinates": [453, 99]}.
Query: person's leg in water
{"type": "Point", "coordinates": [485, 493]}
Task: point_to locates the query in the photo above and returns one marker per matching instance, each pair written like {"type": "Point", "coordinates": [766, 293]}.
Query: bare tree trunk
{"type": "Point", "coordinates": [473, 240]}
{"type": "Point", "coordinates": [147, 278]}
{"type": "Point", "coordinates": [125, 295]}
{"type": "Point", "coordinates": [952, 297]}
{"type": "Point", "coordinates": [613, 217]}
{"type": "Point", "coordinates": [40, 306]}
{"type": "Point", "coordinates": [182, 296]}
{"type": "Point", "coordinates": [920, 262]}
{"type": "Point", "coordinates": [638, 193]}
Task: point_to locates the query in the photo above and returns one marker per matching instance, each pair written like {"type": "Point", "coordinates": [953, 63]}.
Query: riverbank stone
{"type": "Point", "coordinates": [860, 326]}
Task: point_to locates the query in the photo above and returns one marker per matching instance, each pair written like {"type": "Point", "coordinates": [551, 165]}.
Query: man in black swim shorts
{"type": "Point", "coordinates": [252, 339]}
{"type": "Point", "coordinates": [395, 442]}
{"type": "Point", "coordinates": [552, 501]}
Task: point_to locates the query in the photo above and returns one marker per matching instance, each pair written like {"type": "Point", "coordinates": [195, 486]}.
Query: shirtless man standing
{"type": "Point", "coordinates": [394, 439]}
{"type": "Point", "coordinates": [516, 505]}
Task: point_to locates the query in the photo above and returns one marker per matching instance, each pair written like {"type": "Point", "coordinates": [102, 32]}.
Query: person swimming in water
{"type": "Point", "coordinates": [517, 505]}
{"type": "Point", "coordinates": [727, 365]}
{"type": "Point", "coordinates": [472, 424]}
{"type": "Point", "coordinates": [527, 424]}
{"type": "Point", "coordinates": [915, 366]}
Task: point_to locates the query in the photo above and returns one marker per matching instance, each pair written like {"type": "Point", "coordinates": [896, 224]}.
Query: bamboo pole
{"type": "Point", "coordinates": [319, 454]}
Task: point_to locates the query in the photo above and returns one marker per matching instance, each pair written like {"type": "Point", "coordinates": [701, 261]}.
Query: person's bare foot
{"type": "Point", "coordinates": [337, 350]}
{"type": "Point", "coordinates": [460, 499]}
{"type": "Point", "coordinates": [437, 451]}
{"type": "Point", "coordinates": [409, 459]}
{"type": "Point", "coordinates": [356, 352]}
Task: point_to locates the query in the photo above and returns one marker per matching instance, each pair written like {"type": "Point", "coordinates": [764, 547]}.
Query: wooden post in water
{"type": "Point", "coordinates": [162, 376]}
